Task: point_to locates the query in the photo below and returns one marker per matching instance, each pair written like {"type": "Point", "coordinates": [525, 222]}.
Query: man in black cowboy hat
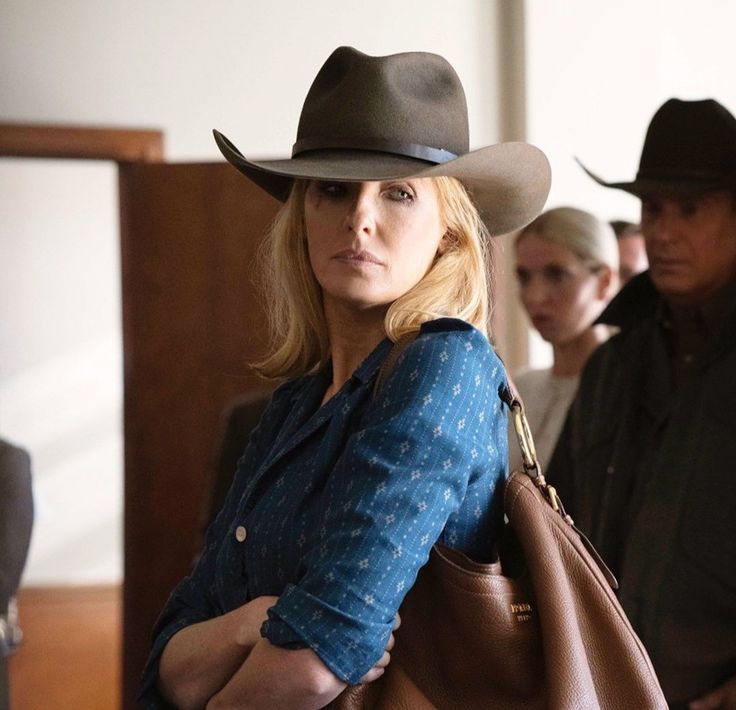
{"type": "Point", "coordinates": [645, 463]}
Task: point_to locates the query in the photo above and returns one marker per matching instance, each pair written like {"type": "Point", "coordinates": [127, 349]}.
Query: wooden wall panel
{"type": "Point", "coordinates": [192, 319]}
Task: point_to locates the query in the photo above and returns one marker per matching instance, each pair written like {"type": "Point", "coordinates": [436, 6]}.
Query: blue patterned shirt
{"type": "Point", "coordinates": [334, 508]}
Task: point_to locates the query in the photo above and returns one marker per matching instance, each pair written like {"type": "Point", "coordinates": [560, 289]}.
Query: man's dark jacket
{"type": "Point", "coordinates": [648, 471]}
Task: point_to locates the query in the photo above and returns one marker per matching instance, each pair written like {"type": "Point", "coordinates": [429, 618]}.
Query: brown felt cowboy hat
{"type": "Point", "coordinates": [400, 116]}
{"type": "Point", "coordinates": [690, 146]}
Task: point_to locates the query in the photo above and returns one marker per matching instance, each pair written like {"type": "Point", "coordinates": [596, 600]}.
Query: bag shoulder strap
{"type": "Point", "coordinates": [392, 358]}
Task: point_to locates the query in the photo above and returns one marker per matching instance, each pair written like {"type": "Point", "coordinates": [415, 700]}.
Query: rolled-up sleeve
{"type": "Point", "coordinates": [388, 499]}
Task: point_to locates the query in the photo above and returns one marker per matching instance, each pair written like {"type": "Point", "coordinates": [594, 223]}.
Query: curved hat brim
{"type": "Point", "coordinates": [643, 186]}
{"type": "Point", "coordinates": [509, 182]}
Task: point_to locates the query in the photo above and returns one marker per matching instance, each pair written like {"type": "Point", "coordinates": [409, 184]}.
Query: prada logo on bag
{"type": "Point", "coordinates": [523, 611]}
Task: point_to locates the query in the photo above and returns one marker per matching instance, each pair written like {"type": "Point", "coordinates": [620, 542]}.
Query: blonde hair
{"type": "Point", "coordinates": [456, 285]}
{"type": "Point", "coordinates": [590, 239]}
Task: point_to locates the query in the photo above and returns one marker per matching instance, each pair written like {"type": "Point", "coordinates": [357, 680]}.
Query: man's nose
{"type": "Point", "coordinates": [665, 226]}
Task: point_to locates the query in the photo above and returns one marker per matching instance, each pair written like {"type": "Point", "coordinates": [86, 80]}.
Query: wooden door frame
{"type": "Point", "coordinates": [123, 146]}
{"type": "Point", "coordinates": [208, 283]}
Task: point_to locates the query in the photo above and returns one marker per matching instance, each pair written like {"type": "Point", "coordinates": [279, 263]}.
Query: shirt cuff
{"type": "Point", "coordinates": [349, 647]}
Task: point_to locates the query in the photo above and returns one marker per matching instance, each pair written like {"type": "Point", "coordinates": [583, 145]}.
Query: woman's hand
{"type": "Point", "coordinates": [277, 678]}
{"type": "Point", "coordinates": [201, 659]}
{"type": "Point", "coordinates": [380, 668]}
{"type": "Point", "coordinates": [722, 698]}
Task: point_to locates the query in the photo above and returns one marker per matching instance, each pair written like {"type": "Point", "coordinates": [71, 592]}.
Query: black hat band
{"type": "Point", "coordinates": [408, 150]}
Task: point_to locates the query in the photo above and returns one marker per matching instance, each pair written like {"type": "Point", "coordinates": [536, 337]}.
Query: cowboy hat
{"type": "Point", "coordinates": [400, 116]}
{"type": "Point", "coordinates": [689, 146]}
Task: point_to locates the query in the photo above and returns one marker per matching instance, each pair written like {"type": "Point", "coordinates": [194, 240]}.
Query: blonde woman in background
{"type": "Point", "coordinates": [567, 269]}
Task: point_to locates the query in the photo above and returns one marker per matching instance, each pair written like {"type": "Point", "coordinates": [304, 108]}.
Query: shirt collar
{"type": "Point", "coordinates": [366, 371]}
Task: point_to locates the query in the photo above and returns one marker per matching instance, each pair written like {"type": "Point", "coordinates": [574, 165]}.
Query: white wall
{"type": "Point", "coordinates": [184, 67]}
{"type": "Point", "coordinates": [243, 67]}
{"type": "Point", "coordinates": [60, 353]}
{"type": "Point", "coordinates": [597, 72]}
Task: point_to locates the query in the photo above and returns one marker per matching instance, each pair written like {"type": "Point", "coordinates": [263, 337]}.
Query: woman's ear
{"type": "Point", "coordinates": [608, 283]}
{"type": "Point", "coordinates": [446, 242]}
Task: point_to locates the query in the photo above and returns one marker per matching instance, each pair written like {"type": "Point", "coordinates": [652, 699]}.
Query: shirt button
{"type": "Point", "coordinates": [240, 533]}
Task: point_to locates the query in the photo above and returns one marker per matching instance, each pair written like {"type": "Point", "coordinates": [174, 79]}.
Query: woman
{"type": "Point", "coordinates": [341, 492]}
{"type": "Point", "coordinates": [567, 270]}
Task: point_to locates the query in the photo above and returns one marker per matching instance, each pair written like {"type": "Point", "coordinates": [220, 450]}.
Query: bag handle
{"type": "Point", "coordinates": [511, 397]}
{"type": "Point", "coordinates": [394, 354]}
{"type": "Point", "coordinates": [532, 468]}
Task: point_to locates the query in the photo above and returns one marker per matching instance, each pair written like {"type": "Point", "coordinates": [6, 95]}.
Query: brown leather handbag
{"type": "Point", "coordinates": [542, 628]}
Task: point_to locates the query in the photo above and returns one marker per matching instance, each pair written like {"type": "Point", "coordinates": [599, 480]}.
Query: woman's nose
{"type": "Point", "coordinates": [361, 215]}
{"type": "Point", "coordinates": [533, 292]}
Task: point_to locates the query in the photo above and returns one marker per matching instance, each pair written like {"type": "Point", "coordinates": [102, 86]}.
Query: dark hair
{"type": "Point", "coordinates": [622, 228]}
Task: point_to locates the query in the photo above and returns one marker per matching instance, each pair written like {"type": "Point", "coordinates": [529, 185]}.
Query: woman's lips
{"type": "Point", "coordinates": [349, 256]}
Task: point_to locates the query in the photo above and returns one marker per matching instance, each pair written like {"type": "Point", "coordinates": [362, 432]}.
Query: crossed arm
{"type": "Point", "coordinates": [224, 663]}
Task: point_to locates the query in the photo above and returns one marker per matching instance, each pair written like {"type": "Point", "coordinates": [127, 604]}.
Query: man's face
{"type": "Point", "coordinates": [632, 256]}
{"type": "Point", "coordinates": [691, 243]}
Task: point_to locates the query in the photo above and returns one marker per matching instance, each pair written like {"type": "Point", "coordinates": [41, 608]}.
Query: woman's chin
{"type": "Point", "coordinates": [357, 300]}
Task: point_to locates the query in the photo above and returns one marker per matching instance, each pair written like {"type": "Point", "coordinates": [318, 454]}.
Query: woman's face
{"type": "Point", "coordinates": [561, 295]}
{"type": "Point", "coordinates": [370, 242]}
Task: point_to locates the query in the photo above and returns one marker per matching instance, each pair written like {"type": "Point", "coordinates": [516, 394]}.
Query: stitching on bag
{"type": "Point", "coordinates": [445, 561]}
{"type": "Point", "coordinates": [510, 508]}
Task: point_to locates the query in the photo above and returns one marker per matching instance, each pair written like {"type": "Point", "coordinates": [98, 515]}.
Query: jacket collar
{"type": "Point", "coordinates": [639, 300]}
{"type": "Point", "coordinates": [635, 302]}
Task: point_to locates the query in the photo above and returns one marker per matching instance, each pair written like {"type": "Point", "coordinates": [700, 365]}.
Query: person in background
{"type": "Point", "coordinates": [342, 492]}
{"type": "Point", "coordinates": [239, 421]}
{"type": "Point", "coordinates": [645, 461]}
{"type": "Point", "coordinates": [567, 271]}
{"type": "Point", "coordinates": [632, 253]}
{"type": "Point", "coordinates": [16, 521]}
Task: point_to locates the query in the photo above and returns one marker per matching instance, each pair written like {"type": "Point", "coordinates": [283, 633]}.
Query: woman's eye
{"type": "Point", "coordinates": [333, 190]}
{"type": "Point", "coordinates": [555, 274]}
{"type": "Point", "coordinates": [400, 193]}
